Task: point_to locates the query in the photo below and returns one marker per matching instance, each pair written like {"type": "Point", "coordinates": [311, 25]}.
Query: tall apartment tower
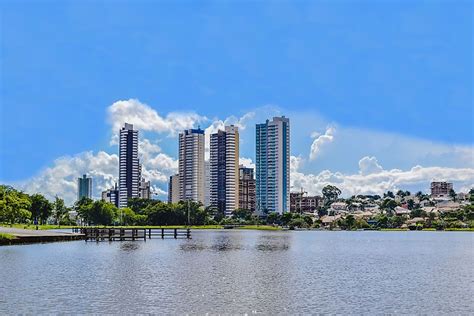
{"type": "Point", "coordinates": [191, 165]}
{"type": "Point", "coordinates": [224, 170]}
{"type": "Point", "coordinates": [273, 166]}
{"type": "Point", "coordinates": [246, 188]}
{"type": "Point", "coordinates": [129, 165]}
{"type": "Point", "coordinates": [84, 187]}
{"type": "Point", "coordinates": [173, 189]}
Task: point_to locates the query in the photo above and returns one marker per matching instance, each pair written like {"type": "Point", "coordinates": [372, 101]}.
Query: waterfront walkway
{"type": "Point", "coordinates": [34, 236]}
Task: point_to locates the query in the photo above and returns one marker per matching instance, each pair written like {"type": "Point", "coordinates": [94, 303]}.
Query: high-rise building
{"type": "Point", "coordinates": [191, 165]}
{"type": "Point", "coordinates": [273, 165]}
{"type": "Point", "coordinates": [111, 195]}
{"type": "Point", "coordinates": [84, 187]}
{"type": "Point", "coordinates": [144, 191]}
{"type": "Point", "coordinates": [224, 170]}
{"type": "Point", "coordinates": [173, 189]}
{"type": "Point", "coordinates": [207, 183]}
{"type": "Point", "coordinates": [440, 188]}
{"type": "Point", "coordinates": [129, 165]}
{"type": "Point", "coordinates": [246, 188]}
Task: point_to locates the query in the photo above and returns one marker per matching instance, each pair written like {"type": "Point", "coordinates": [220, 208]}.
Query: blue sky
{"type": "Point", "coordinates": [377, 70]}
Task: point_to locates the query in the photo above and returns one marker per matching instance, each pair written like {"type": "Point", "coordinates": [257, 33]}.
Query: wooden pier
{"type": "Point", "coordinates": [127, 234]}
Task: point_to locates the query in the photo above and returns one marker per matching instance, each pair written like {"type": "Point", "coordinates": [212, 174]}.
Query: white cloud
{"type": "Point", "coordinates": [217, 125]}
{"type": "Point", "coordinates": [373, 179]}
{"type": "Point", "coordinates": [319, 141]}
{"type": "Point", "coordinates": [61, 178]}
{"type": "Point", "coordinates": [368, 165]}
{"type": "Point", "coordinates": [246, 162]}
{"type": "Point", "coordinates": [145, 118]}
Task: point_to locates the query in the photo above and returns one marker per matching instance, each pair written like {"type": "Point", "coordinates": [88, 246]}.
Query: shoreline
{"type": "Point", "coordinates": [226, 227]}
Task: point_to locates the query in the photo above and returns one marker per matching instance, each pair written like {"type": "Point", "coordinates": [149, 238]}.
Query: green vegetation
{"type": "Point", "coordinates": [259, 227]}
{"type": "Point", "coordinates": [4, 236]}
{"type": "Point", "coordinates": [18, 209]}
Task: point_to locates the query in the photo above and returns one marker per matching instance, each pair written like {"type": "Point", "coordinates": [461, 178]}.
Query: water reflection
{"type": "Point", "coordinates": [129, 246]}
{"type": "Point", "coordinates": [280, 242]}
{"type": "Point", "coordinates": [226, 242]}
{"type": "Point", "coordinates": [244, 272]}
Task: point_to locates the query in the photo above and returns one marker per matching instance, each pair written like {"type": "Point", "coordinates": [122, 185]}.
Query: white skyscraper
{"type": "Point", "coordinates": [224, 170]}
{"type": "Point", "coordinates": [273, 165]}
{"type": "Point", "coordinates": [191, 165]}
{"type": "Point", "coordinates": [129, 172]}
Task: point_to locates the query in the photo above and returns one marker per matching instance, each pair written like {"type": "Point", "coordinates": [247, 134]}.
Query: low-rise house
{"type": "Point", "coordinates": [399, 211]}
{"type": "Point", "coordinates": [338, 207]}
{"type": "Point", "coordinates": [415, 220]}
{"type": "Point", "coordinates": [327, 220]}
{"type": "Point", "coordinates": [363, 214]}
{"type": "Point", "coordinates": [448, 206]}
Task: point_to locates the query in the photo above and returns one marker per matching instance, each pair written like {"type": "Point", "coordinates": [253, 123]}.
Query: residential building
{"type": "Point", "coordinates": [273, 166]}
{"type": "Point", "coordinates": [173, 189]}
{"type": "Point", "coordinates": [129, 165]}
{"type": "Point", "coordinates": [207, 183]}
{"type": "Point", "coordinates": [224, 170]}
{"type": "Point", "coordinates": [440, 189]}
{"type": "Point", "coordinates": [247, 199]}
{"type": "Point", "coordinates": [301, 203]}
{"type": "Point", "coordinates": [111, 195]}
{"type": "Point", "coordinates": [144, 191]}
{"type": "Point", "coordinates": [84, 187]}
{"type": "Point", "coordinates": [191, 165]}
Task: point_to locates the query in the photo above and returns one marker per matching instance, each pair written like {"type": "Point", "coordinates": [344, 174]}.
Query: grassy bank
{"type": "Point", "coordinates": [6, 237]}
{"type": "Point", "coordinates": [33, 227]}
{"type": "Point", "coordinates": [429, 229]}
{"type": "Point", "coordinates": [259, 227]}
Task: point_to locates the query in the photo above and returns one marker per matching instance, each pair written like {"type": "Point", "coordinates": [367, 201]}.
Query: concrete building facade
{"type": "Point", "coordinates": [191, 165]}
{"type": "Point", "coordinates": [247, 199]}
{"type": "Point", "coordinates": [129, 165]}
{"type": "Point", "coordinates": [273, 166]}
{"type": "Point", "coordinates": [224, 170]}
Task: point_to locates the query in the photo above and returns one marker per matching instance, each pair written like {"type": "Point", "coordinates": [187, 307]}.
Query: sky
{"type": "Point", "coordinates": [379, 93]}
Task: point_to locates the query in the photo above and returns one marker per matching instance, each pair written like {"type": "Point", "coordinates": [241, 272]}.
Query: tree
{"type": "Point", "coordinates": [418, 213]}
{"type": "Point", "coordinates": [330, 193]}
{"type": "Point", "coordinates": [388, 205]}
{"type": "Point", "coordinates": [349, 222]}
{"type": "Point", "coordinates": [13, 205]}
{"type": "Point", "coordinates": [410, 204]}
{"type": "Point", "coordinates": [59, 210]}
{"type": "Point", "coordinates": [273, 218]}
{"type": "Point", "coordinates": [40, 208]}
{"type": "Point", "coordinates": [83, 207]}
{"type": "Point", "coordinates": [452, 194]}
{"type": "Point", "coordinates": [298, 222]}
{"type": "Point", "coordinates": [389, 194]}
{"type": "Point", "coordinates": [242, 214]}
{"type": "Point", "coordinates": [102, 213]}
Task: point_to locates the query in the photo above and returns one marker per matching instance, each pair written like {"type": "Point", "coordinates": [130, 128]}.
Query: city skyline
{"type": "Point", "coordinates": [373, 107]}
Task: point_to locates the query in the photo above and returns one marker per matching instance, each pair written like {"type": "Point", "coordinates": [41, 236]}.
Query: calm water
{"type": "Point", "coordinates": [245, 272]}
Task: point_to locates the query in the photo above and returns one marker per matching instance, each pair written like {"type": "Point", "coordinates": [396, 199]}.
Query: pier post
{"type": "Point", "coordinates": [175, 233]}
{"type": "Point", "coordinates": [162, 233]}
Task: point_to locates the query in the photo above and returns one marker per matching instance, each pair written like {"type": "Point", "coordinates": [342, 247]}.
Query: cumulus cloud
{"type": "Point", "coordinates": [373, 179]}
{"type": "Point", "coordinates": [61, 178]}
{"type": "Point", "coordinates": [246, 162]}
{"type": "Point", "coordinates": [217, 125]}
{"type": "Point", "coordinates": [320, 141]}
{"type": "Point", "coordinates": [145, 118]}
{"type": "Point", "coordinates": [368, 165]}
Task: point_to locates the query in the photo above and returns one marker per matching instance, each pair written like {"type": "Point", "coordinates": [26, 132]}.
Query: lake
{"type": "Point", "coordinates": [253, 272]}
